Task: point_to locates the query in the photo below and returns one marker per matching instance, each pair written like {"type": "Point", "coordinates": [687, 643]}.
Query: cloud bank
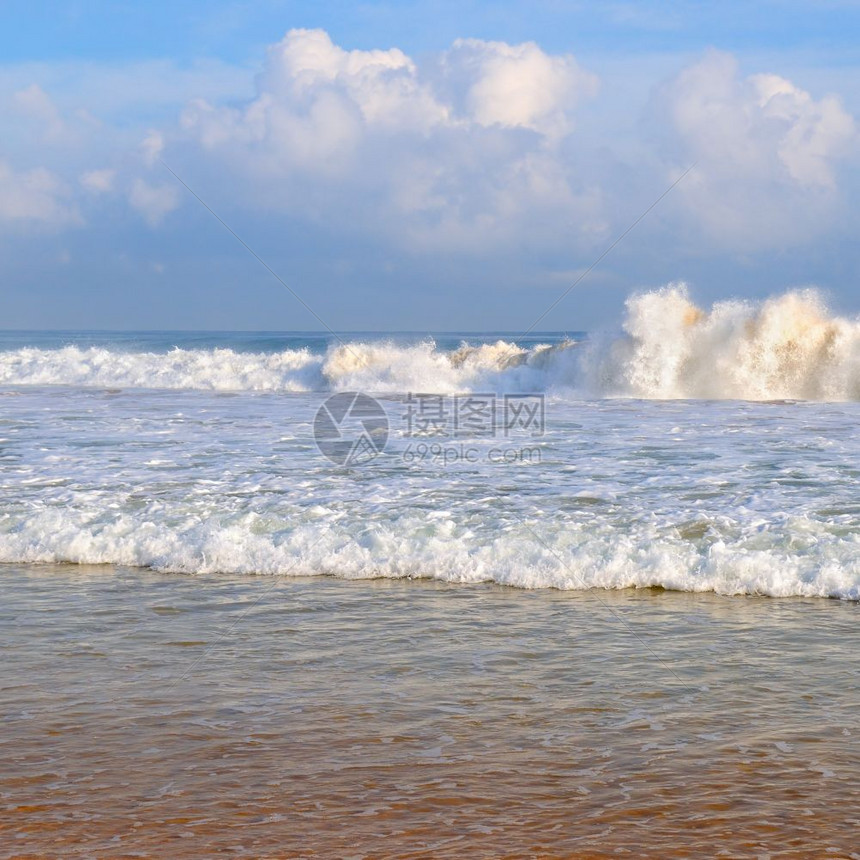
{"type": "Point", "coordinates": [485, 147]}
{"type": "Point", "coordinates": [464, 152]}
{"type": "Point", "coordinates": [489, 144]}
{"type": "Point", "coordinates": [767, 153]}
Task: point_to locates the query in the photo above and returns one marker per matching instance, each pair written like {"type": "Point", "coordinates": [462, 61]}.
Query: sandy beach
{"type": "Point", "coordinates": [147, 715]}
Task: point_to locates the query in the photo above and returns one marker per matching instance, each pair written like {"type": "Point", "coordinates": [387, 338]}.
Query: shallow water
{"type": "Point", "coordinates": [729, 497]}
{"type": "Point", "coordinates": [196, 453]}
{"type": "Point", "coordinates": [191, 716]}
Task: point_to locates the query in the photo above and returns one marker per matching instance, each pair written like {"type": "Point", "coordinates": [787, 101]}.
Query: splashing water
{"type": "Point", "coordinates": [786, 348]}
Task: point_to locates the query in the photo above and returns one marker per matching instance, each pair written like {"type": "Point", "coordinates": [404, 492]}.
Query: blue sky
{"type": "Point", "coordinates": [419, 165]}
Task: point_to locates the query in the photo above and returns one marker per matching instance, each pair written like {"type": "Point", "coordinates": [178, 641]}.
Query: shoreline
{"type": "Point", "coordinates": [87, 568]}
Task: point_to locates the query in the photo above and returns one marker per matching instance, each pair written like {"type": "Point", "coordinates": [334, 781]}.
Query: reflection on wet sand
{"type": "Point", "coordinates": [150, 715]}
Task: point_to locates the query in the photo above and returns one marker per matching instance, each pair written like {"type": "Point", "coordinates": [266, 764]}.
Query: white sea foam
{"type": "Point", "coordinates": [664, 490]}
{"type": "Point", "coordinates": [573, 557]}
{"type": "Point", "coordinates": [736, 498]}
{"type": "Point", "coordinates": [206, 370]}
{"type": "Point", "coordinates": [788, 347]}
{"type": "Point", "coordinates": [376, 367]}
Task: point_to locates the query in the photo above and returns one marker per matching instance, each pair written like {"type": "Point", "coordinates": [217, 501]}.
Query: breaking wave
{"type": "Point", "coordinates": [801, 557]}
{"type": "Point", "coordinates": [787, 347]}
{"type": "Point", "coordinates": [382, 366]}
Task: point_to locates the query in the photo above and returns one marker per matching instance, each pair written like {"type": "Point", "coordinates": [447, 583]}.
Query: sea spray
{"type": "Point", "coordinates": [787, 347]}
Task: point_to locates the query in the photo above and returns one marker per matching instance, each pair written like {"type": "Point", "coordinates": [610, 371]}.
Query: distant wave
{"type": "Point", "coordinates": [381, 366]}
{"type": "Point", "coordinates": [202, 369]}
{"type": "Point", "coordinates": [788, 347]}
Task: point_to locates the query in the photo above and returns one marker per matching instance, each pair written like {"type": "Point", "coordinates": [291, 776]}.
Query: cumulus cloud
{"type": "Point", "coordinates": [383, 86]}
{"type": "Point", "coordinates": [315, 105]}
{"type": "Point", "coordinates": [479, 148]}
{"type": "Point", "coordinates": [767, 152]}
{"type": "Point", "coordinates": [153, 201]}
{"type": "Point", "coordinates": [35, 196]}
{"type": "Point", "coordinates": [35, 103]}
{"type": "Point", "coordinates": [815, 134]}
{"type": "Point", "coordinates": [312, 88]}
{"type": "Point", "coordinates": [519, 86]}
{"type": "Point", "coordinates": [98, 181]}
{"type": "Point", "coordinates": [459, 152]}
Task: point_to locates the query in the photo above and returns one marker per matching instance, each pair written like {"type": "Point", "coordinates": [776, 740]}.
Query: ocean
{"type": "Point", "coordinates": [695, 454]}
{"type": "Point", "coordinates": [555, 594]}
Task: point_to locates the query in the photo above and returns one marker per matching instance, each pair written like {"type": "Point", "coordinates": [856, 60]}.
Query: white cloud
{"type": "Point", "coordinates": [519, 86]}
{"type": "Point", "coordinates": [315, 105]}
{"type": "Point", "coordinates": [767, 152]}
{"type": "Point", "coordinates": [439, 149]}
{"type": "Point", "coordinates": [383, 85]}
{"type": "Point", "coordinates": [479, 148]}
{"type": "Point", "coordinates": [98, 181]}
{"type": "Point", "coordinates": [152, 146]}
{"type": "Point", "coordinates": [153, 202]}
{"type": "Point", "coordinates": [35, 103]}
{"type": "Point", "coordinates": [814, 135]}
{"type": "Point", "coordinates": [35, 196]}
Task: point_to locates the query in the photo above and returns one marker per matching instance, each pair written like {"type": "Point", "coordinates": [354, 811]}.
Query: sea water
{"type": "Point", "coordinates": [595, 632]}
{"type": "Point", "coordinates": [695, 451]}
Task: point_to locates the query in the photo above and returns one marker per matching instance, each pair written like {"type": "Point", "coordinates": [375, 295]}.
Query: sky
{"type": "Point", "coordinates": [420, 166]}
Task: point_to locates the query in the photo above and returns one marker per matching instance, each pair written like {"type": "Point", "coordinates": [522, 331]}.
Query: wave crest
{"type": "Point", "coordinates": [786, 348]}
{"type": "Point", "coordinates": [202, 369]}
{"type": "Point", "coordinates": [382, 366]}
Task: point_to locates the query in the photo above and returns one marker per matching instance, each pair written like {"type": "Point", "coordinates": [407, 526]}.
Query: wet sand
{"type": "Point", "coordinates": [148, 715]}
